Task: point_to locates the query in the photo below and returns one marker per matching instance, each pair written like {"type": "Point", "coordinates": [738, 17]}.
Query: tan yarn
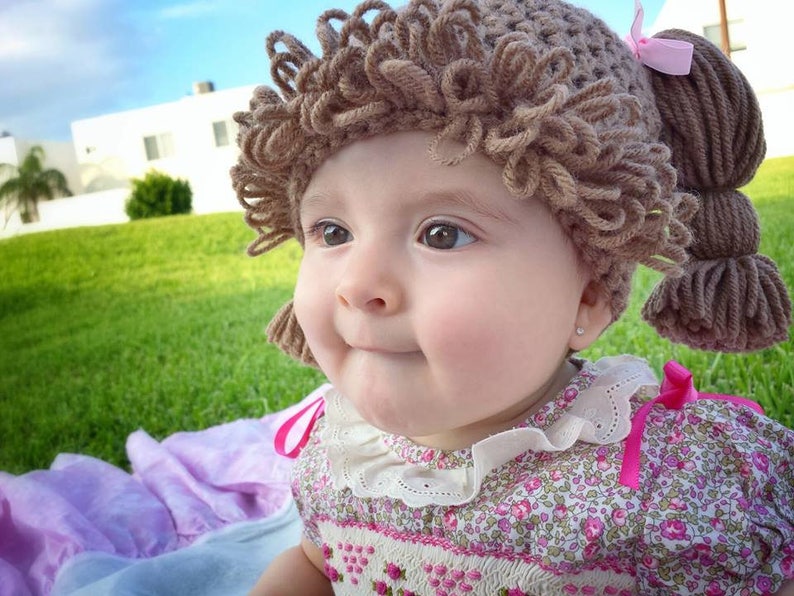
{"type": "Point", "coordinates": [542, 88]}
{"type": "Point", "coordinates": [729, 298]}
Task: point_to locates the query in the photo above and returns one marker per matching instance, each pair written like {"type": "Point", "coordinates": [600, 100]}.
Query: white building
{"type": "Point", "coordinates": [758, 31]}
{"type": "Point", "coordinates": [192, 138]}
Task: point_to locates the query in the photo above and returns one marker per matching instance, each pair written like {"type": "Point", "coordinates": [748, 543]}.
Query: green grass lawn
{"type": "Point", "coordinates": [158, 324]}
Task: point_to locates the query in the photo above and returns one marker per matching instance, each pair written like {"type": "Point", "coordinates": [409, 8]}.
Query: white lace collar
{"type": "Point", "coordinates": [362, 460]}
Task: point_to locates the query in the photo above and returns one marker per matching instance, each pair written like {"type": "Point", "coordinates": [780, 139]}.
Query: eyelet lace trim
{"type": "Point", "coordinates": [362, 461]}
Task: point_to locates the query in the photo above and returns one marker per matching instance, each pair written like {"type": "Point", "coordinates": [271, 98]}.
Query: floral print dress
{"type": "Point", "coordinates": [713, 514]}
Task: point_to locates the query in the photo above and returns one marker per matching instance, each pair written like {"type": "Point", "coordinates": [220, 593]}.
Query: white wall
{"type": "Point", "coordinates": [98, 208]}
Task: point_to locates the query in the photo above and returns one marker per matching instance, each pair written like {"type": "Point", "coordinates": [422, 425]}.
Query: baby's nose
{"type": "Point", "coordinates": [370, 283]}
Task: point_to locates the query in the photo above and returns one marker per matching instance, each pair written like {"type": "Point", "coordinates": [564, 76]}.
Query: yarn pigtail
{"type": "Point", "coordinates": [729, 298]}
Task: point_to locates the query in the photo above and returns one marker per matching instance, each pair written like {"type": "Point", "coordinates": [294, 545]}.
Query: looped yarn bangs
{"type": "Point", "coordinates": [542, 88]}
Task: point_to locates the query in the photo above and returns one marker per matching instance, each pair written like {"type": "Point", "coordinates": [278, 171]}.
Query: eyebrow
{"type": "Point", "coordinates": [464, 198]}
{"type": "Point", "coordinates": [436, 199]}
{"type": "Point", "coordinates": [314, 199]}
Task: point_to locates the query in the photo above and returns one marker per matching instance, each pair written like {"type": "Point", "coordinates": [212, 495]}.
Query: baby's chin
{"type": "Point", "coordinates": [399, 419]}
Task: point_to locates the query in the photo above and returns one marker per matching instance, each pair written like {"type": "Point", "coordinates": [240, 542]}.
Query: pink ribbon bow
{"type": "Point", "coordinates": [676, 391]}
{"type": "Point", "coordinates": [670, 56]}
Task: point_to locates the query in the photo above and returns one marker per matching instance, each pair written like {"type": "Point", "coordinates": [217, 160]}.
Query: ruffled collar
{"type": "Point", "coordinates": [594, 408]}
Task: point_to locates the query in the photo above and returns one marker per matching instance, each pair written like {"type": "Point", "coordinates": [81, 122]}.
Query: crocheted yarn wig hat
{"type": "Point", "coordinates": [550, 94]}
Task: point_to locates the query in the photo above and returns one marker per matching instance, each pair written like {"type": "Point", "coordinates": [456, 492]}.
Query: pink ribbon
{"type": "Point", "coordinates": [676, 391]}
{"type": "Point", "coordinates": [316, 407]}
{"type": "Point", "coordinates": [670, 56]}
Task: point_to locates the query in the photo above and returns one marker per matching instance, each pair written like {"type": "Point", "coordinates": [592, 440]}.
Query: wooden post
{"type": "Point", "coordinates": [724, 36]}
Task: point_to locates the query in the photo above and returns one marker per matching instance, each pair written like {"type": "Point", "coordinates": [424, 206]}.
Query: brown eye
{"type": "Point", "coordinates": [334, 235]}
{"type": "Point", "coordinates": [443, 236]}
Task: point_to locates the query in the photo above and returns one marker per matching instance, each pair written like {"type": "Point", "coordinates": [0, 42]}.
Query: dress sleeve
{"type": "Point", "coordinates": [719, 502]}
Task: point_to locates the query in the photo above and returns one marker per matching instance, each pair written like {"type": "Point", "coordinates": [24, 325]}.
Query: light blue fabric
{"type": "Point", "coordinates": [223, 562]}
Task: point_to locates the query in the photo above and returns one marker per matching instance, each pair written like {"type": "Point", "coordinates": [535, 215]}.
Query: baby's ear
{"type": "Point", "coordinates": [595, 315]}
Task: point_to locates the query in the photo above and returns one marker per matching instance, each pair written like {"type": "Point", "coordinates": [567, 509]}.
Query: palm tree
{"type": "Point", "coordinates": [28, 183]}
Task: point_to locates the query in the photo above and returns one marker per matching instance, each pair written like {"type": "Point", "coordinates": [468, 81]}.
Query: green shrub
{"type": "Point", "coordinates": [158, 194]}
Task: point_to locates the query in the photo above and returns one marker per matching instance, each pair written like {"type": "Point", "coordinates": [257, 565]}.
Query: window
{"type": "Point", "coordinates": [159, 146]}
{"type": "Point", "coordinates": [736, 35]}
{"type": "Point", "coordinates": [224, 132]}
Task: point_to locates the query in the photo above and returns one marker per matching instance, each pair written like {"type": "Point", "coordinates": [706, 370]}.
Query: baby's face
{"type": "Point", "coordinates": [439, 304]}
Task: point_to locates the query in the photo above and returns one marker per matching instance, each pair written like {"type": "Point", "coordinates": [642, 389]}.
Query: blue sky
{"type": "Point", "coordinates": [65, 60]}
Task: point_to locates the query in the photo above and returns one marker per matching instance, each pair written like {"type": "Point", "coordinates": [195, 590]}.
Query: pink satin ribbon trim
{"type": "Point", "coordinates": [316, 407]}
{"type": "Point", "coordinates": [676, 391]}
{"type": "Point", "coordinates": [670, 56]}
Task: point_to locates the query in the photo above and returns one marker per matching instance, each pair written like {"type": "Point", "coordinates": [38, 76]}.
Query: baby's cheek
{"type": "Point", "coordinates": [311, 314]}
{"type": "Point", "coordinates": [465, 336]}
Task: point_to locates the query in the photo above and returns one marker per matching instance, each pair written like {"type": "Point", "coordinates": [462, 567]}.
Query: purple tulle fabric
{"type": "Point", "coordinates": [181, 488]}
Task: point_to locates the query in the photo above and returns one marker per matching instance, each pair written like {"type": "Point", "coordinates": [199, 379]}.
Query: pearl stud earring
{"type": "Point", "coordinates": [580, 331]}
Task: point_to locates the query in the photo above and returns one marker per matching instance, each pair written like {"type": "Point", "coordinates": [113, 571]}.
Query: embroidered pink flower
{"type": "Point", "coordinates": [393, 571]}
{"type": "Point", "coordinates": [380, 587]}
{"type": "Point", "coordinates": [593, 527]}
{"type": "Point", "coordinates": [428, 455]}
{"type": "Point", "coordinates": [332, 574]}
{"type": "Point", "coordinates": [327, 552]}
{"type": "Point", "coordinates": [674, 529]}
{"type": "Point", "coordinates": [619, 517]}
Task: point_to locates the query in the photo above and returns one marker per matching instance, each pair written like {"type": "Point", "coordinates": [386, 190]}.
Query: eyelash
{"type": "Point", "coordinates": [444, 223]}
{"type": "Point", "coordinates": [316, 231]}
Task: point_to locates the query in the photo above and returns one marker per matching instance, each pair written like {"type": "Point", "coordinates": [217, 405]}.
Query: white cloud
{"type": "Point", "coordinates": [59, 59]}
